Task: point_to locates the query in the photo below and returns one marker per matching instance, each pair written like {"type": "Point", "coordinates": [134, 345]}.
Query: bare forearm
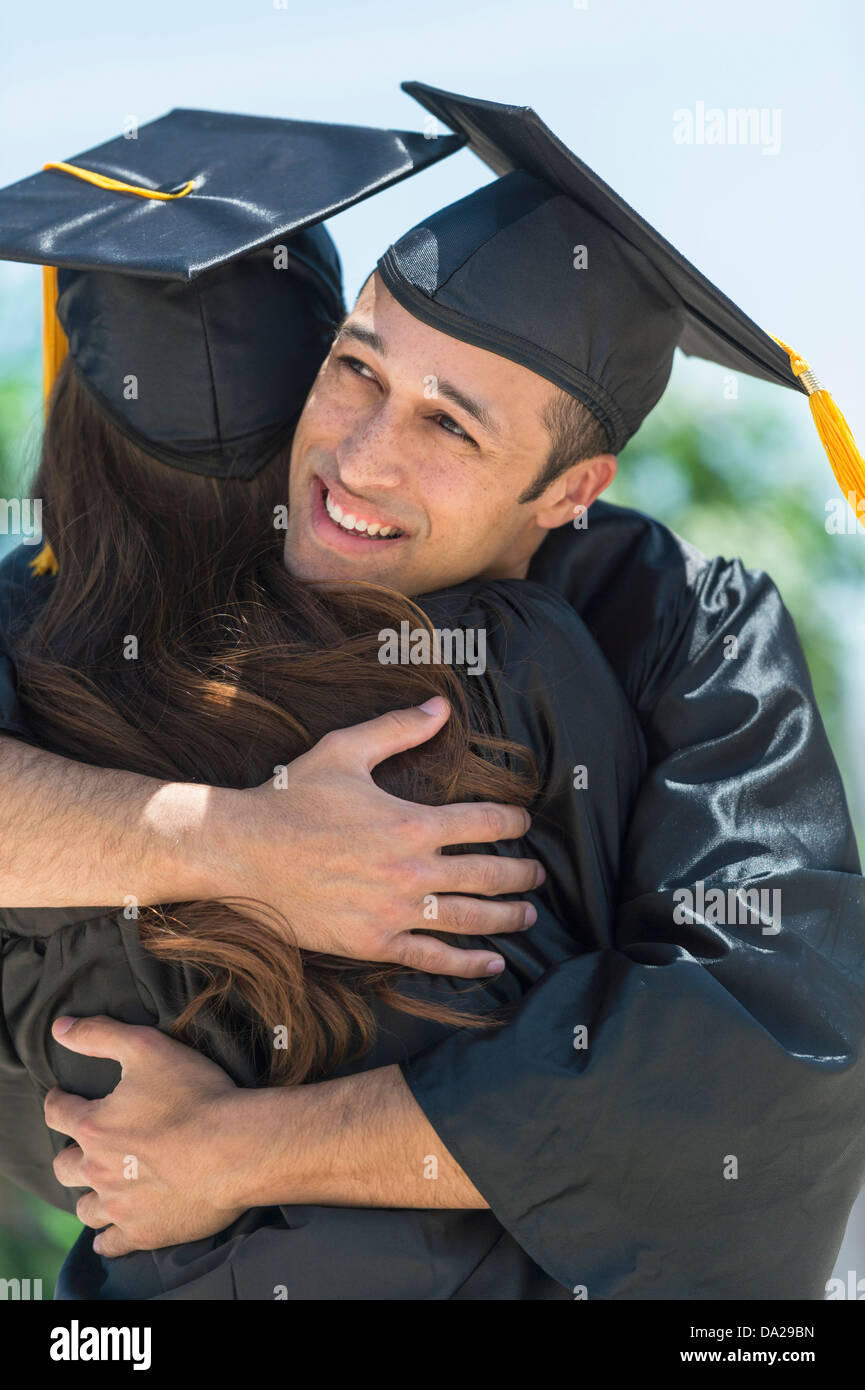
{"type": "Point", "coordinates": [357, 1141]}
{"type": "Point", "coordinates": [87, 836]}
{"type": "Point", "coordinates": [73, 835]}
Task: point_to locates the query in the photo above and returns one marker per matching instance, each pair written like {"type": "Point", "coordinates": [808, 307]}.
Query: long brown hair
{"type": "Point", "coordinates": [175, 643]}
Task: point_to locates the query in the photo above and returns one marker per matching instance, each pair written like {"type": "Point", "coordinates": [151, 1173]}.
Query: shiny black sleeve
{"type": "Point", "coordinates": [708, 1141]}
{"type": "Point", "coordinates": [20, 593]}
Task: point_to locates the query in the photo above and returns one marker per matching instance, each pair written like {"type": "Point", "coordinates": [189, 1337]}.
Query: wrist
{"type": "Point", "coordinates": [257, 1156]}
{"type": "Point", "coordinates": [194, 835]}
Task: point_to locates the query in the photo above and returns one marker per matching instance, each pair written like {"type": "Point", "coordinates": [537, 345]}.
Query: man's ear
{"type": "Point", "coordinates": [573, 492]}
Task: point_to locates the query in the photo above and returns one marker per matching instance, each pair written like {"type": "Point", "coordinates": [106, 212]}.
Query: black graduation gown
{"type": "Point", "coordinates": [713, 1041]}
{"type": "Point", "coordinates": [546, 685]}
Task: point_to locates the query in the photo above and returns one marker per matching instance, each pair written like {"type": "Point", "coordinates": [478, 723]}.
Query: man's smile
{"type": "Point", "coordinates": [347, 523]}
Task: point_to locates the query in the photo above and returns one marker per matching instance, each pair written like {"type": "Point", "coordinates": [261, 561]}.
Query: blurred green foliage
{"type": "Point", "coordinates": [34, 1237]}
{"type": "Point", "coordinates": [19, 430]}
{"type": "Point", "coordinates": [732, 479]}
{"type": "Point", "coordinates": [736, 480]}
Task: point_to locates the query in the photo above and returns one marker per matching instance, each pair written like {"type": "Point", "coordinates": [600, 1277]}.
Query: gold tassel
{"type": "Point", "coordinates": [45, 562]}
{"type": "Point", "coordinates": [54, 342]}
{"type": "Point", "coordinates": [54, 349]}
{"type": "Point", "coordinates": [835, 434]}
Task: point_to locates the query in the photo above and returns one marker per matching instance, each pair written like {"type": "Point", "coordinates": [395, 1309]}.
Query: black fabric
{"type": "Point", "coordinates": [547, 686]}
{"type": "Point", "coordinates": [256, 179]}
{"type": "Point", "coordinates": [208, 375]}
{"type": "Point", "coordinates": [13, 721]}
{"type": "Point", "coordinates": [198, 324]}
{"type": "Point", "coordinates": [500, 269]}
{"type": "Point", "coordinates": [710, 1039]}
{"type": "Point", "coordinates": [21, 594]}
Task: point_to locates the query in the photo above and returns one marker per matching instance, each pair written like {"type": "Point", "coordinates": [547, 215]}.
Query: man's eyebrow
{"type": "Point", "coordinates": [355, 331]}
{"type": "Point", "coordinates": [359, 334]}
{"type": "Point", "coordinates": [471, 407]}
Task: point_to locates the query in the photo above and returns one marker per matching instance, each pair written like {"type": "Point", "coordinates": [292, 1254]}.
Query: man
{"type": "Point", "coordinates": [646, 1168]}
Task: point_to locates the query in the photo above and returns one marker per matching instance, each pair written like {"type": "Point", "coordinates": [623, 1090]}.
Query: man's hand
{"type": "Point", "coordinates": [177, 1152]}
{"type": "Point", "coordinates": [352, 869]}
{"type": "Point", "coordinates": [152, 1150]}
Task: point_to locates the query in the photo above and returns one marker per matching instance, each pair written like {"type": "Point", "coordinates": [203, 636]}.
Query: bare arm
{"type": "Point", "coordinates": [207, 1150]}
{"type": "Point", "coordinates": [75, 835]}
{"type": "Point", "coordinates": [358, 1141]}
{"type": "Point", "coordinates": [348, 866]}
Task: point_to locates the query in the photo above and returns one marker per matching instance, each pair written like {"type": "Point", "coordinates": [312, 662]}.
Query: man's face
{"type": "Point", "coordinates": [410, 456]}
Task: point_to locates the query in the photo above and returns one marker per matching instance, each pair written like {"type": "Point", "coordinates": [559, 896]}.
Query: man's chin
{"type": "Point", "coordinates": [306, 559]}
{"type": "Point", "coordinates": [316, 565]}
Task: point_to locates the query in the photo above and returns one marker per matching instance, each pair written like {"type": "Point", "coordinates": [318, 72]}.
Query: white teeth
{"type": "Point", "coordinates": [349, 522]}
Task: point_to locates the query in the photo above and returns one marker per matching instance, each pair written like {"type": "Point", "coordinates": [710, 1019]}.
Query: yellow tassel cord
{"type": "Point", "coordinates": [54, 343]}
{"type": "Point", "coordinates": [116, 185]}
{"type": "Point", "coordinates": [835, 434]}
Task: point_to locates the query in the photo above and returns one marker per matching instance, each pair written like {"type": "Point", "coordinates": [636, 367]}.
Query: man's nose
{"type": "Point", "coordinates": [372, 453]}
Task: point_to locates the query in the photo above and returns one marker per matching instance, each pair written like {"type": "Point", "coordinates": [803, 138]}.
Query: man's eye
{"type": "Point", "coordinates": [450, 425]}
{"type": "Point", "coordinates": [354, 364]}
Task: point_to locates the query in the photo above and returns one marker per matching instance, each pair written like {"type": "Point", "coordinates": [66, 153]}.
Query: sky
{"type": "Point", "coordinates": [779, 231]}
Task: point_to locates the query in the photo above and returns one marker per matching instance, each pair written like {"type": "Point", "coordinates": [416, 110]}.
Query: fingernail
{"type": "Point", "coordinates": [62, 1025]}
{"type": "Point", "coordinates": [530, 916]}
{"type": "Point", "coordinates": [496, 966]}
{"type": "Point", "coordinates": [97, 1246]}
{"type": "Point", "coordinates": [434, 706]}
{"type": "Point", "coordinates": [542, 873]}
{"type": "Point", "coordinates": [528, 822]}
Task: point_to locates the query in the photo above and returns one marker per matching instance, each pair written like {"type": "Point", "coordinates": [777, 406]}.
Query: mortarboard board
{"type": "Point", "coordinates": [190, 276]}
{"type": "Point", "coordinates": [549, 267]}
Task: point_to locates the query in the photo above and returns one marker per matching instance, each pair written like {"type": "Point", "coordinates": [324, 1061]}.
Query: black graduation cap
{"type": "Point", "coordinates": [549, 267]}
{"type": "Point", "coordinates": [195, 288]}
